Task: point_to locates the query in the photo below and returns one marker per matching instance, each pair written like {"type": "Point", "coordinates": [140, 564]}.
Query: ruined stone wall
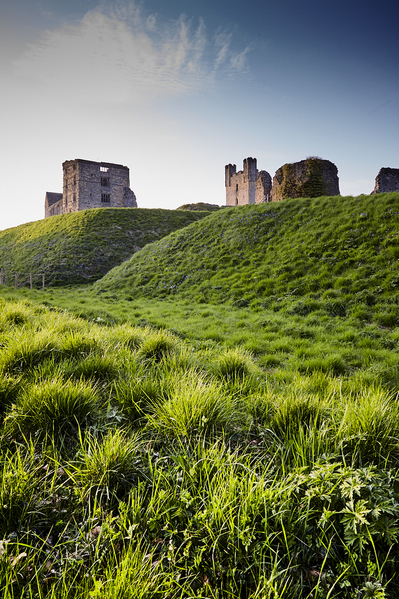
{"type": "Point", "coordinates": [310, 178]}
{"type": "Point", "coordinates": [387, 180]}
{"type": "Point", "coordinates": [52, 204]}
{"type": "Point", "coordinates": [96, 185]}
{"type": "Point", "coordinates": [88, 184]}
{"type": "Point", "coordinates": [247, 186]}
{"type": "Point", "coordinates": [263, 187]}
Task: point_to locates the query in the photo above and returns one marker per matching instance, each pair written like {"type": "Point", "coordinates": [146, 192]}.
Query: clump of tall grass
{"type": "Point", "coordinates": [194, 405]}
{"type": "Point", "coordinates": [369, 425]}
{"type": "Point", "coordinates": [26, 352]}
{"type": "Point", "coordinates": [157, 345]}
{"type": "Point", "coordinates": [53, 406]}
{"type": "Point", "coordinates": [92, 368]}
{"type": "Point", "coordinates": [109, 466]}
{"type": "Point", "coordinates": [18, 477]}
{"type": "Point", "coordinates": [296, 409]}
{"type": "Point", "coordinates": [77, 345]}
{"type": "Point", "coordinates": [122, 335]}
{"type": "Point", "coordinates": [333, 364]}
{"type": "Point", "coordinates": [136, 395]}
{"type": "Point", "coordinates": [233, 364]}
{"type": "Point", "coordinates": [15, 316]}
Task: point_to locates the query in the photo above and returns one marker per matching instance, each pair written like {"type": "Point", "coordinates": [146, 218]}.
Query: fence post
{"type": "Point", "coordinates": [16, 280]}
{"type": "Point", "coordinates": [31, 280]}
{"type": "Point", "coordinates": [2, 276]}
{"type": "Point", "coordinates": [43, 281]}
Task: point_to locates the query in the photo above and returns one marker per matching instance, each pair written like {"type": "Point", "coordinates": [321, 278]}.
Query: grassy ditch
{"type": "Point", "coordinates": [187, 468]}
{"type": "Point", "coordinates": [83, 246]}
{"type": "Point", "coordinates": [336, 251]}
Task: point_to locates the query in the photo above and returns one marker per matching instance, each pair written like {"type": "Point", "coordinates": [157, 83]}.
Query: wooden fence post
{"type": "Point", "coordinates": [2, 276]}
{"type": "Point", "coordinates": [31, 280]}
{"type": "Point", "coordinates": [16, 280]}
{"type": "Point", "coordinates": [43, 281]}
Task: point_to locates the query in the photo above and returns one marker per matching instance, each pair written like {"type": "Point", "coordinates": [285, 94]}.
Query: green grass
{"type": "Point", "coordinates": [281, 343]}
{"type": "Point", "coordinates": [191, 468]}
{"type": "Point", "coordinates": [83, 246]}
{"type": "Point", "coordinates": [204, 443]}
{"type": "Point", "coordinates": [330, 255]}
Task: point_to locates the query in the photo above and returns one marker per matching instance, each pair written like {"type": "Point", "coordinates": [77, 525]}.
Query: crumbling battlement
{"type": "Point", "coordinates": [310, 178]}
{"type": "Point", "coordinates": [88, 184]}
{"type": "Point", "coordinates": [248, 186]}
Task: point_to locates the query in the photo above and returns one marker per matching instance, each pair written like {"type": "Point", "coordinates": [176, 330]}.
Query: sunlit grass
{"type": "Point", "coordinates": [172, 464]}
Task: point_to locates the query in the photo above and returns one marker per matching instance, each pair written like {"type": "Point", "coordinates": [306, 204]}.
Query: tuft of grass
{"type": "Point", "coordinates": [136, 395]}
{"type": "Point", "coordinates": [26, 353]}
{"type": "Point", "coordinates": [369, 425]}
{"type": "Point", "coordinates": [92, 368]}
{"type": "Point", "coordinates": [109, 466]}
{"type": "Point", "coordinates": [295, 410]}
{"type": "Point", "coordinates": [77, 345]}
{"type": "Point", "coordinates": [234, 364]}
{"type": "Point", "coordinates": [194, 406]}
{"type": "Point", "coordinates": [53, 407]}
{"type": "Point", "coordinates": [157, 345]}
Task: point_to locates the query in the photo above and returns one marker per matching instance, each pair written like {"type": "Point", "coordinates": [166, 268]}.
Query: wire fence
{"type": "Point", "coordinates": [51, 278]}
{"type": "Point", "coordinates": [22, 279]}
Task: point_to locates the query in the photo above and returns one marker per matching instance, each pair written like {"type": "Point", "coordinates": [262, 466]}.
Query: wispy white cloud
{"type": "Point", "coordinates": [117, 55]}
{"type": "Point", "coordinates": [222, 44]}
{"type": "Point", "coordinates": [238, 62]}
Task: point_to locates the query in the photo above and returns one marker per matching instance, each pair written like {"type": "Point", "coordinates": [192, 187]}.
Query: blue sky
{"type": "Point", "coordinates": [176, 89]}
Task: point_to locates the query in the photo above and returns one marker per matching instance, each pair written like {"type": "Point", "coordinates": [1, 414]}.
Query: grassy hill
{"type": "Point", "coordinates": [253, 453]}
{"type": "Point", "coordinates": [83, 246]}
{"type": "Point", "coordinates": [337, 253]}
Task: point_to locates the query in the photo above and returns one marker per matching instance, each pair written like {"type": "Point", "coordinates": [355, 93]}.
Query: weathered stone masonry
{"type": "Point", "coordinates": [312, 177]}
{"type": "Point", "coordinates": [90, 184]}
{"type": "Point", "coordinates": [248, 186]}
{"type": "Point", "coordinates": [387, 180]}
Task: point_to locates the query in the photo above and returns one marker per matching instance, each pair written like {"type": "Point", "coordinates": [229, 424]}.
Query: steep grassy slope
{"type": "Point", "coordinates": [83, 246]}
{"type": "Point", "coordinates": [338, 250]}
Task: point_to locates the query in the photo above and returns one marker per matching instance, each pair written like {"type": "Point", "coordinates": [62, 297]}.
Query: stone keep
{"type": "Point", "coordinates": [248, 186]}
{"type": "Point", "coordinates": [90, 184]}
{"type": "Point", "coordinates": [387, 180]}
{"type": "Point", "coordinates": [310, 178]}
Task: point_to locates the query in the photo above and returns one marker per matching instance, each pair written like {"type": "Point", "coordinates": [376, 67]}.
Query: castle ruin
{"type": "Point", "coordinates": [310, 178]}
{"type": "Point", "coordinates": [387, 180]}
{"type": "Point", "coordinates": [248, 186]}
{"type": "Point", "coordinates": [88, 184]}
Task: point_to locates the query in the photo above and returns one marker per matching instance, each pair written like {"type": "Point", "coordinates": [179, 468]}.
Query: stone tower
{"type": "Point", "coordinates": [89, 184]}
{"type": "Point", "coordinates": [310, 178]}
{"type": "Point", "coordinates": [248, 186]}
